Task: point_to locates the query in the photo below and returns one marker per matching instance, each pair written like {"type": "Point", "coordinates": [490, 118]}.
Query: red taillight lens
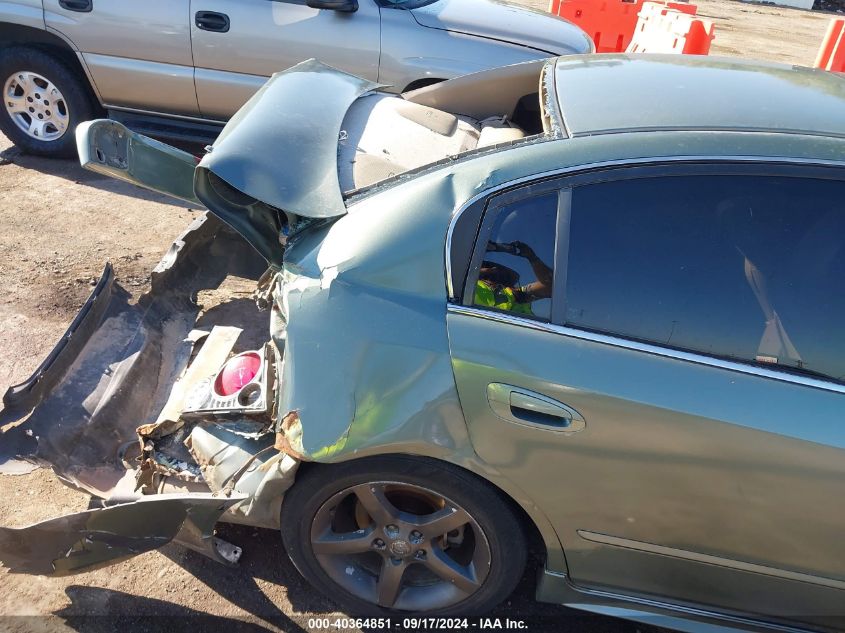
{"type": "Point", "coordinates": [236, 373]}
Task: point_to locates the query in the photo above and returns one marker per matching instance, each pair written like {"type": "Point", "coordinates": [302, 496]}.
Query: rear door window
{"type": "Point", "coordinates": [750, 268]}
{"type": "Point", "coordinates": [515, 272]}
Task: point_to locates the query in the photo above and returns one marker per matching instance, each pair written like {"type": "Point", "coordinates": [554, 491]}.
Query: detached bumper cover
{"type": "Point", "coordinates": [24, 396]}
{"type": "Point", "coordinates": [115, 366]}
{"type": "Point", "coordinates": [96, 538]}
{"type": "Point", "coordinates": [111, 372]}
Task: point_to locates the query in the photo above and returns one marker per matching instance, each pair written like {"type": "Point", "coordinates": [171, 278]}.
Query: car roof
{"type": "Point", "coordinates": [600, 94]}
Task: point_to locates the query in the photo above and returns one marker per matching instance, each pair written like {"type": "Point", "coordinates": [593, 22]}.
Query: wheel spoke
{"type": "Point", "coordinates": [50, 89]}
{"type": "Point", "coordinates": [24, 80]}
{"type": "Point", "coordinates": [446, 568]}
{"type": "Point", "coordinates": [390, 582]}
{"type": "Point", "coordinates": [343, 543]}
{"type": "Point", "coordinates": [15, 104]}
{"type": "Point", "coordinates": [37, 128]}
{"type": "Point", "coordinates": [60, 121]}
{"type": "Point", "coordinates": [376, 503]}
{"type": "Point", "coordinates": [442, 521]}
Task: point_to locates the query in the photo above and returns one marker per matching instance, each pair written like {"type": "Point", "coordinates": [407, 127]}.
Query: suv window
{"type": "Point", "coordinates": [515, 274]}
{"type": "Point", "coordinates": [743, 267]}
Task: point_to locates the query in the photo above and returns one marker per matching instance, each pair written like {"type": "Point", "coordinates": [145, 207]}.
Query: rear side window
{"type": "Point", "coordinates": [741, 267]}
{"type": "Point", "coordinates": [515, 274]}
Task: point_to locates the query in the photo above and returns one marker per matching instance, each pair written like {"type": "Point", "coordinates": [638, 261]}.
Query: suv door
{"type": "Point", "coordinates": [676, 407]}
{"type": "Point", "coordinates": [138, 54]}
{"type": "Point", "coordinates": [239, 43]}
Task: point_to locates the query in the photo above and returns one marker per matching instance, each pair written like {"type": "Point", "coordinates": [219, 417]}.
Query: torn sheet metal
{"type": "Point", "coordinates": [122, 376]}
{"type": "Point", "coordinates": [88, 540]}
{"type": "Point", "coordinates": [237, 456]}
{"type": "Point", "coordinates": [162, 442]}
{"type": "Point", "coordinates": [197, 408]}
{"type": "Point", "coordinates": [289, 436]}
{"type": "Point", "coordinates": [552, 117]}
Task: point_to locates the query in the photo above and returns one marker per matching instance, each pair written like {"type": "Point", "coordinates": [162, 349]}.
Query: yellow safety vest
{"type": "Point", "coordinates": [499, 297]}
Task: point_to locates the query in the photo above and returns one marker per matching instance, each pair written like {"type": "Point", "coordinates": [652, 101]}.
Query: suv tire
{"type": "Point", "coordinates": [43, 96]}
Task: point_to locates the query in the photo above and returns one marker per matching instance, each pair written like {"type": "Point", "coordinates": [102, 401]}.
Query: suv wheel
{"type": "Point", "coordinates": [43, 102]}
{"type": "Point", "coordinates": [401, 533]}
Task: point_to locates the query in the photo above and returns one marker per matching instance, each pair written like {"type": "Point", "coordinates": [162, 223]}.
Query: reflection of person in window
{"type": "Point", "coordinates": [498, 286]}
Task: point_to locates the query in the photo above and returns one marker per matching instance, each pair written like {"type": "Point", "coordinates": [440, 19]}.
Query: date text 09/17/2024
{"type": "Point", "coordinates": [417, 623]}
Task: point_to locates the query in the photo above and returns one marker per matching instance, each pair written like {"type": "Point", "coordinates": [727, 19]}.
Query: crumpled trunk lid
{"type": "Point", "coordinates": [274, 163]}
{"type": "Point", "coordinates": [279, 154]}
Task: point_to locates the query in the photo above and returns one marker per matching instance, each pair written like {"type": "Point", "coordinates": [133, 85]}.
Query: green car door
{"type": "Point", "coordinates": [655, 356]}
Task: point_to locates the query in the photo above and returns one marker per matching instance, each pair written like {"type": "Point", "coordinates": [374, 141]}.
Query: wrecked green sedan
{"type": "Point", "coordinates": [499, 308]}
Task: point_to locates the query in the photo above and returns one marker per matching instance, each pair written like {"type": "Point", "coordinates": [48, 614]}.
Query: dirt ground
{"type": "Point", "coordinates": [764, 31]}
{"type": "Point", "coordinates": [60, 224]}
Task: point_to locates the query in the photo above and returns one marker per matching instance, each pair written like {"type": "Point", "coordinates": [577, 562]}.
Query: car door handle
{"type": "Point", "coordinates": [526, 407]}
{"type": "Point", "coordinates": [212, 21]}
{"type": "Point", "coordinates": [81, 6]}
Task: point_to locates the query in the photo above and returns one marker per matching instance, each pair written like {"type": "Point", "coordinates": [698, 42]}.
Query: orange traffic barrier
{"type": "Point", "coordinates": [832, 52]}
{"type": "Point", "coordinates": [610, 23]}
{"type": "Point", "coordinates": [664, 30]}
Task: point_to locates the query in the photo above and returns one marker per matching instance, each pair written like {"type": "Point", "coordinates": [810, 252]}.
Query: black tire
{"type": "Point", "coordinates": [318, 486]}
{"type": "Point", "coordinates": [77, 99]}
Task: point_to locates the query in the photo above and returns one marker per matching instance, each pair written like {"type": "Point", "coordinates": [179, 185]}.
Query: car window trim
{"type": "Point", "coordinates": [569, 178]}
{"type": "Point", "coordinates": [491, 213]}
{"type": "Point", "coordinates": [564, 218]}
{"type": "Point", "coordinates": [456, 275]}
{"type": "Point", "coordinates": [679, 171]}
{"type": "Point", "coordinates": [511, 319]}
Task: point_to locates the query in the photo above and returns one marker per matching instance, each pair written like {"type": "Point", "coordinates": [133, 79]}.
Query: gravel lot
{"type": "Point", "coordinates": [60, 225]}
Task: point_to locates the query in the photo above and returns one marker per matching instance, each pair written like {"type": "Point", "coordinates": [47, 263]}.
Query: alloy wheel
{"type": "Point", "coordinates": [36, 106]}
{"type": "Point", "coordinates": [400, 546]}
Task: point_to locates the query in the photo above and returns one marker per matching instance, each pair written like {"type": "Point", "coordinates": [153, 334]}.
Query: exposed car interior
{"type": "Point", "coordinates": [385, 135]}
